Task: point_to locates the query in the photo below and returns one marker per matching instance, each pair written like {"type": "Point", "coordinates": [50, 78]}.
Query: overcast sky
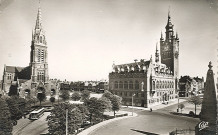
{"type": "Point", "coordinates": [85, 36]}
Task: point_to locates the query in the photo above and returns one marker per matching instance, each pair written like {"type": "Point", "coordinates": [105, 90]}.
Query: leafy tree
{"type": "Point", "coordinates": [84, 112]}
{"type": "Point", "coordinates": [6, 125]}
{"type": "Point", "coordinates": [57, 119]}
{"type": "Point", "coordinates": [107, 94]}
{"type": "Point", "coordinates": [181, 106]}
{"type": "Point", "coordinates": [96, 108]}
{"type": "Point", "coordinates": [196, 100]}
{"type": "Point", "coordinates": [116, 103]}
{"type": "Point", "coordinates": [65, 95]}
{"type": "Point", "coordinates": [41, 97]}
{"type": "Point", "coordinates": [85, 94]}
{"type": "Point", "coordinates": [33, 100]}
{"type": "Point", "coordinates": [15, 110]}
{"type": "Point", "coordinates": [115, 100]}
{"type": "Point", "coordinates": [76, 96]}
{"type": "Point", "coordinates": [52, 100]}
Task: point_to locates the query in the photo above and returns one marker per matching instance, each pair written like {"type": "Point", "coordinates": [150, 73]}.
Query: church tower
{"type": "Point", "coordinates": [39, 54]}
{"type": "Point", "coordinates": [169, 49]}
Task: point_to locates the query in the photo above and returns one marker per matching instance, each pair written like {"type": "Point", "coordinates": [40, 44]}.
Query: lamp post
{"type": "Point", "coordinates": [178, 102]}
{"type": "Point", "coordinates": [132, 103]}
{"type": "Point", "coordinates": [66, 122]}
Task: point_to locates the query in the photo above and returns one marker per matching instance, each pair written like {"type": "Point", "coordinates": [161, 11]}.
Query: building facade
{"type": "Point", "coordinates": [189, 86]}
{"type": "Point", "coordinates": [33, 78]}
{"type": "Point", "coordinates": [149, 82]}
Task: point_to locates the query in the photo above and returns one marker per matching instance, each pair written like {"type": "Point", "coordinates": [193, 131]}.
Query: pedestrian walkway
{"type": "Point", "coordinates": [160, 106]}
{"type": "Point", "coordinates": [97, 126]}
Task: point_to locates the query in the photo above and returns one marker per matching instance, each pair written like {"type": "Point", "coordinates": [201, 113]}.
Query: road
{"type": "Point", "coordinates": [149, 123]}
{"type": "Point", "coordinates": [29, 127]}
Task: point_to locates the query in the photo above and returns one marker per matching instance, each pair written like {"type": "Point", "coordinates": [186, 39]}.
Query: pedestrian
{"type": "Point", "coordinates": [150, 109]}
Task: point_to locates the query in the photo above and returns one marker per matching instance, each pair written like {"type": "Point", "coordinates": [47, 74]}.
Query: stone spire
{"type": "Point", "coordinates": [209, 106]}
{"type": "Point", "coordinates": [39, 19]}
{"type": "Point", "coordinates": [157, 59]}
{"type": "Point", "coordinates": [169, 27]}
{"type": "Point", "coordinates": [38, 35]}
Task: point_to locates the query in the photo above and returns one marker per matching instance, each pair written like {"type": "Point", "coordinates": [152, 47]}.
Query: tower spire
{"type": "Point", "coordinates": [156, 54]}
{"type": "Point", "coordinates": [161, 36]}
{"type": "Point", "coordinates": [39, 18]}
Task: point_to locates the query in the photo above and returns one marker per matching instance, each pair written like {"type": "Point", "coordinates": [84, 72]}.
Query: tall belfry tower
{"type": "Point", "coordinates": [39, 54]}
{"type": "Point", "coordinates": [169, 49]}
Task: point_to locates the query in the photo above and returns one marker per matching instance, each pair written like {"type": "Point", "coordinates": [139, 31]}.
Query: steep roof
{"type": "Point", "coordinates": [13, 69]}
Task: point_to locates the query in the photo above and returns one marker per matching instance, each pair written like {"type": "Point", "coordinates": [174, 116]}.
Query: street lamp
{"type": "Point", "coordinates": [178, 102]}
{"type": "Point", "coordinates": [132, 103]}
{"type": "Point", "coordinates": [66, 122]}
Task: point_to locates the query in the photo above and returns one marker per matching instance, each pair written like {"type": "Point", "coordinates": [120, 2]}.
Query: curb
{"type": "Point", "coordinates": [103, 123]}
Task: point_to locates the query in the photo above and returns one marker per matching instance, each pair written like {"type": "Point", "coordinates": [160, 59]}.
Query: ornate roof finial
{"type": "Point", "coordinates": [210, 65]}
{"type": "Point", "coordinates": [169, 12]}
{"type": "Point", "coordinates": [161, 35]}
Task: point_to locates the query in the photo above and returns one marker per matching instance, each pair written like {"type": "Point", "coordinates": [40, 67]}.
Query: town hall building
{"type": "Point", "coordinates": [149, 82]}
{"type": "Point", "coordinates": [34, 78]}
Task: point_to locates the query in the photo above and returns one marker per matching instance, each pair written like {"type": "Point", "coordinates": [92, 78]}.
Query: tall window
{"type": "Point", "coordinates": [130, 85]}
{"type": "Point", "coordinates": [9, 76]}
{"type": "Point", "coordinates": [153, 87]}
{"type": "Point", "coordinates": [116, 85]}
{"type": "Point", "coordinates": [41, 54]}
{"type": "Point", "coordinates": [40, 39]}
{"type": "Point", "coordinates": [121, 85]}
{"type": "Point", "coordinates": [125, 85]}
{"type": "Point", "coordinates": [157, 85]}
{"type": "Point", "coordinates": [40, 76]}
{"type": "Point", "coordinates": [136, 85]}
{"type": "Point", "coordinates": [136, 68]}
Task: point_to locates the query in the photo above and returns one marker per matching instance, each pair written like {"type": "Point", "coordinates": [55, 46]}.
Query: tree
{"type": "Point", "coordinates": [41, 97]}
{"type": "Point", "coordinates": [15, 110]}
{"type": "Point", "coordinates": [116, 103]}
{"type": "Point", "coordinates": [6, 125]}
{"type": "Point", "coordinates": [84, 112]}
{"type": "Point", "coordinates": [107, 94]}
{"type": "Point", "coordinates": [65, 95]}
{"type": "Point", "coordinates": [196, 100]}
{"type": "Point", "coordinates": [115, 100]}
{"type": "Point", "coordinates": [33, 100]}
{"type": "Point", "coordinates": [57, 119]}
{"type": "Point", "coordinates": [85, 94]}
{"type": "Point", "coordinates": [76, 96]}
{"type": "Point", "coordinates": [181, 106]}
{"type": "Point", "coordinates": [52, 100]}
{"type": "Point", "coordinates": [96, 108]}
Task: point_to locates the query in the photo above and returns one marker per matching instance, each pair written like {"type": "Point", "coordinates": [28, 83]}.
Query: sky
{"type": "Point", "coordinates": [85, 37]}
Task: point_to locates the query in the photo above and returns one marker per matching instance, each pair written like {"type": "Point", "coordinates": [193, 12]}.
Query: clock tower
{"type": "Point", "coordinates": [169, 49]}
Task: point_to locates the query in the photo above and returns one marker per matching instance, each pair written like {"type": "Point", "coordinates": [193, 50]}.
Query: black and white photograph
{"type": "Point", "coordinates": [108, 67]}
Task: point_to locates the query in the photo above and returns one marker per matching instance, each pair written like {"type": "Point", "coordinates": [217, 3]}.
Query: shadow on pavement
{"type": "Point", "coordinates": [143, 132]}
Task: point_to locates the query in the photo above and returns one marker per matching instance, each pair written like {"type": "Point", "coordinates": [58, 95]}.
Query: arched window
{"type": "Point", "coordinates": [125, 69]}
{"type": "Point", "coordinates": [157, 85]}
{"type": "Point", "coordinates": [130, 85]}
{"type": "Point", "coordinates": [40, 76]}
{"type": "Point", "coordinates": [136, 68]}
{"type": "Point", "coordinates": [116, 85]}
{"type": "Point", "coordinates": [153, 85]}
{"type": "Point", "coordinates": [136, 85]}
{"type": "Point", "coordinates": [40, 39]}
{"type": "Point", "coordinates": [125, 85]}
{"type": "Point", "coordinates": [121, 85]}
